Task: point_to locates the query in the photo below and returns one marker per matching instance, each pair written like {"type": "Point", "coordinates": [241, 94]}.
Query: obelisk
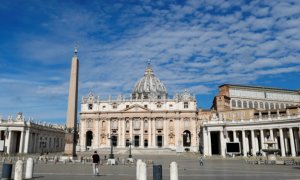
{"type": "Point", "coordinates": [71, 124]}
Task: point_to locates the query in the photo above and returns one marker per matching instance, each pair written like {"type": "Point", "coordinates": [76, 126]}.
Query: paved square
{"type": "Point", "coordinates": [188, 168]}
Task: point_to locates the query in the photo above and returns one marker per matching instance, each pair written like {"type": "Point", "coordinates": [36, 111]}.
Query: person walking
{"type": "Point", "coordinates": [96, 161]}
{"type": "Point", "coordinates": [201, 161]}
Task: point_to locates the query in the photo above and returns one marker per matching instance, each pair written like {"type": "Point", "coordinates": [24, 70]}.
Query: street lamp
{"type": "Point", "coordinates": [130, 156]}
{"type": "Point", "coordinates": [111, 155]}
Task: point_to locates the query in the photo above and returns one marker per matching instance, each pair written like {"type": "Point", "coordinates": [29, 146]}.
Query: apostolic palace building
{"type": "Point", "coordinates": [150, 119]}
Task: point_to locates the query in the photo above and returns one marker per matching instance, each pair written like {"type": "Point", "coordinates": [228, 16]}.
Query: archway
{"type": "Point", "coordinates": [186, 137]}
{"type": "Point", "coordinates": [89, 139]}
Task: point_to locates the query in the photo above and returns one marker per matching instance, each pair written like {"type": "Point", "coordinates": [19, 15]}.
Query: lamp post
{"type": "Point", "coordinates": [130, 156]}
{"type": "Point", "coordinates": [111, 155]}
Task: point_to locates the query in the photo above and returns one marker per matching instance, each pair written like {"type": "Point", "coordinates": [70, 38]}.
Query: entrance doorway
{"type": "Point", "coordinates": [89, 138]}
{"type": "Point", "coordinates": [136, 141]}
{"type": "Point", "coordinates": [114, 140]}
{"type": "Point", "coordinates": [146, 143]}
{"type": "Point", "coordinates": [215, 143]}
{"type": "Point", "coordinates": [159, 141]}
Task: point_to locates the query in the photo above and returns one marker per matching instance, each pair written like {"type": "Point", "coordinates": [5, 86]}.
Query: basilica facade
{"type": "Point", "coordinates": [147, 119]}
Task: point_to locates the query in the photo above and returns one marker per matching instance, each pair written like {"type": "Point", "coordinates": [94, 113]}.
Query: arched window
{"type": "Point", "coordinates": [261, 105]}
{"type": "Point", "coordinates": [277, 106]}
{"type": "Point", "coordinates": [239, 104]}
{"type": "Point", "coordinates": [255, 105]}
{"type": "Point", "coordinates": [245, 104]}
{"type": "Point", "coordinates": [233, 103]}
{"type": "Point", "coordinates": [271, 106]}
{"type": "Point", "coordinates": [250, 104]}
{"type": "Point", "coordinates": [267, 106]}
{"type": "Point", "coordinates": [281, 106]}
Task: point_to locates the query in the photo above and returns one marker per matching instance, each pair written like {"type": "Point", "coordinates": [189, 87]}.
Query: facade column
{"type": "Point", "coordinates": [253, 151]}
{"type": "Point", "coordinates": [97, 132]}
{"type": "Point", "coordinates": [282, 146]}
{"type": "Point", "coordinates": [292, 142]}
{"type": "Point", "coordinates": [142, 133]}
{"type": "Point", "coordinates": [244, 143]}
{"type": "Point", "coordinates": [153, 133]}
{"type": "Point", "coordinates": [177, 134]}
{"type": "Point", "coordinates": [165, 136]}
{"type": "Point", "coordinates": [82, 134]}
{"type": "Point", "coordinates": [21, 142]}
{"type": "Point", "coordinates": [222, 142]}
{"type": "Point", "coordinates": [131, 132]}
{"type": "Point", "coordinates": [149, 132]}
{"type": "Point", "coordinates": [109, 133]}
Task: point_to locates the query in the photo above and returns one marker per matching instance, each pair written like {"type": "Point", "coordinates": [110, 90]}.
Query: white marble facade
{"type": "Point", "coordinates": [147, 119]}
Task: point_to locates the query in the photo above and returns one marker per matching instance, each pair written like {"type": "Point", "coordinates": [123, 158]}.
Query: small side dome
{"type": "Point", "coordinates": [149, 87]}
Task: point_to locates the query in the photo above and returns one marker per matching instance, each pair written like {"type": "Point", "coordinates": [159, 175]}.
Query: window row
{"type": "Point", "coordinates": [257, 105]}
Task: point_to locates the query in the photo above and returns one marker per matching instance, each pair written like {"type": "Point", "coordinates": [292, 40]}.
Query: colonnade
{"type": "Point", "coordinates": [253, 139]}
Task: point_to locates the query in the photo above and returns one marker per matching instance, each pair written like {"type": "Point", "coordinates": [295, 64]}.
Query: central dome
{"type": "Point", "coordinates": [149, 87]}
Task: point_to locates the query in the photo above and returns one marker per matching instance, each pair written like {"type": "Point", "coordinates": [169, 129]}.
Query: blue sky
{"type": "Point", "coordinates": [196, 45]}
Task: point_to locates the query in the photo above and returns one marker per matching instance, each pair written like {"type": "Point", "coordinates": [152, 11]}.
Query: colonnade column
{"type": "Point", "coordinates": [21, 142]}
{"type": "Point", "coordinates": [26, 144]}
{"type": "Point", "coordinates": [209, 143]}
{"type": "Point", "coordinates": [205, 141]}
{"type": "Point", "coordinates": [292, 142]}
{"type": "Point", "coordinates": [282, 146]}
{"type": "Point", "coordinates": [271, 134]}
{"type": "Point", "coordinates": [223, 148]}
{"type": "Point", "coordinates": [297, 145]}
{"type": "Point", "coordinates": [262, 141]}
{"type": "Point", "coordinates": [234, 136]}
{"type": "Point", "coordinates": [244, 143]}
{"type": "Point", "coordinates": [9, 141]}
{"type": "Point", "coordinates": [253, 143]}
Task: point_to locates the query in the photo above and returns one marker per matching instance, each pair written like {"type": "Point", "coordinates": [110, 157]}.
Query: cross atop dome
{"type": "Point", "coordinates": [149, 70]}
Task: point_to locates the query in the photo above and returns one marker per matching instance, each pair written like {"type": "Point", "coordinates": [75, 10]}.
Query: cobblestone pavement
{"type": "Point", "coordinates": [188, 169]}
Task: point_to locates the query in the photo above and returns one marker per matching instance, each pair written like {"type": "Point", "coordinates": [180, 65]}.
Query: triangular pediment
{"type": "Point", "coordinates": [136, 108]}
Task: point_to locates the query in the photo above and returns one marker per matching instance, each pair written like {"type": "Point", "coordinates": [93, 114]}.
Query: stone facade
{"type": "Point", "coordinates": [147, 119]}
{"type": "Point", "coordinates": [251, 115]}
{"type": "Point", "coordinates": [25, 136]}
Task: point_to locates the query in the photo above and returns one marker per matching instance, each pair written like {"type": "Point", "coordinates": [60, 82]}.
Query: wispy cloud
{"type": "Point", "coordinates": [195, 45]}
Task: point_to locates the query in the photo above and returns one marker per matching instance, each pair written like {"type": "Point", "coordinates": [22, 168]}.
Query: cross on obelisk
{"type": "Point", "coordinates": [71, 125]}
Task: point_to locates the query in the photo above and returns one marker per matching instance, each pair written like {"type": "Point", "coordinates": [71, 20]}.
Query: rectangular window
{"type": "Point", "coordinates": [90, 106]}
{"type": "Point", "coordinates": [186, 105]}
{"type": "Point", "coordinates": [145, 106]}
{"type": "Point", "coordinates": [127, 106]}
{"type": "Point", "coordinates": [158, 105]}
